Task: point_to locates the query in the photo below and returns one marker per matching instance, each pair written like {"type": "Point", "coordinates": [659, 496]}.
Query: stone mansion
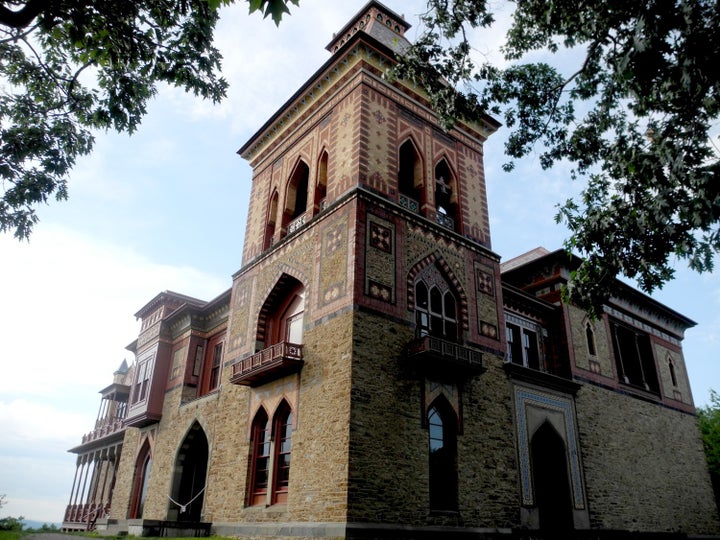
{"type": "Point", "coordinates": [374, 371]}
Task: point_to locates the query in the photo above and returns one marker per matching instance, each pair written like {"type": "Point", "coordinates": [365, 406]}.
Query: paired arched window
{"type": "Point", "coordinates": [271, 449]}
{"type": "Point", "coordinates": [435, 310]}
{"type": "Point", "coordinates": [442, 431]}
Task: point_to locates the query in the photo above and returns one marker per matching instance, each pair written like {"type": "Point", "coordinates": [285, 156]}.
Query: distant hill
{"type": "Point", "coordinates": [33, 524]}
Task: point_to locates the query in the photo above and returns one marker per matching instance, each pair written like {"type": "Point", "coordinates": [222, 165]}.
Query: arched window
{"type": "Point", "coordinates": [271, 449]}
{"type": "Point", "coordinates": [296, 198]}
{"type": "Point", "coordinates": [321, 185]}
{"type": "Point", "coordinates": [285, 320]}
{"type": "Point", "coordinates": [671, 368]}
{"type": "Point", "coordinates": [141, 477]}
{"type": "Point", "coordinates": [435, 310]}
{"type": "Point", "coordinates": [445, 195]}
{"type": "Point", "coordinates": [442, 431]}
{"type": "Point", "coordinates": [282, 438]}
{"type": "Point", "coordinates": [260, 458]}
{"type": "Point", "coordinates": [410, 177]}
{"type": "Point", "coordinates": [590, 339]}
{"type": "Point", "coordinates": [271, 220]}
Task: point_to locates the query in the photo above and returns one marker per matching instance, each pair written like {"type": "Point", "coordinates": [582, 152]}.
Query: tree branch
{"type": "Point", "coordinates": [24, 16]}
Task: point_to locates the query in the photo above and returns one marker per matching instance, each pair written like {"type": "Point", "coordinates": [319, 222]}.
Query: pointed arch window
{"type": "Point", "coordinates": [279, 337]}
{"type": "Point", "coordinates": [321, 185]}
{"type": "Point", "coordinates": [673, 374]}
{"type": "Point", "coordinates": [442, 432]}
{"type": "Point", "coordinates": [590, 339]}
{"type": "Point", "coordinates": [141, 477]}
{"type": "Point", "coordinates": [260, 458]}
{"type": "Point", "coordinates": [410, 177]}
{"type": "Point", "coordinates": [271, 450]}
{"type": "Point", "coordinates": [435, 310]}
{"type": "Point", "coordinates": [445, 195]}
{"type": "Point", "coordinates": [296, 198]}
{"type": "Point", "coordinates": [282, 437]}
{"type": "Point", "coordinates": [271, 220]}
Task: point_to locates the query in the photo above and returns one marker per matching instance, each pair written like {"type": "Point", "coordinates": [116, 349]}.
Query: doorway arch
{"type": "Point", "coordinates": [189, 475]}
{"type": "Point", "coordinates": [550, 479]}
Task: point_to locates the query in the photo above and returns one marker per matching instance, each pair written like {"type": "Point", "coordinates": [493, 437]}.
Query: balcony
{"type": "Point", "coordinates": [445, 220]}
{"type": "Point", "coordinates": [271, 363]}
{"type": "Point", "coordinates": [409, 204]}
{"type": "Point", "coordinates": [103, 429]}
{"type": "Point", "coordinates": [298, 222]}
{"type": "Point", "coordinates": [435, 355]}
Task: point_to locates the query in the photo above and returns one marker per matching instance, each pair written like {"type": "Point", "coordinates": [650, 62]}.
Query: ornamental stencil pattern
{"type": "Point", "coordinates": [334, 261]}
{"type": "Point", "coordinates": [240, 315]}
{"type": "Point", "coordinates": [380, 259]}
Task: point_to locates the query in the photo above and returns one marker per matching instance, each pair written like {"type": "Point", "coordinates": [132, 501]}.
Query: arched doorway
{"type": "Point", "coordinates": [190, 472]}
{"type": "Point", "coordinates": [550, 479]}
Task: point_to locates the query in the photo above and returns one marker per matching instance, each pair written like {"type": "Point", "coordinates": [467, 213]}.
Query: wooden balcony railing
{"type": "Point", "coordinates": [442, 356]}
{"type": "Point", "coordinates": [103, 429]}
{"type": "Point", "coordinates": [271, 363]}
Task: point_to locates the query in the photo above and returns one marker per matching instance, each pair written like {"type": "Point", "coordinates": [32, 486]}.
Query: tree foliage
{"type": "Point", "coordinates": [709, 420]}
{"type": "Point", "coordinates": [68, 67]}
{"type": "Point", "coordinates": [633, 117]}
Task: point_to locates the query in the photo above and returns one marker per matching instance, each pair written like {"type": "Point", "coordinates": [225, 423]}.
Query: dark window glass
{"type": "Point", "coordinates": [443, 456]}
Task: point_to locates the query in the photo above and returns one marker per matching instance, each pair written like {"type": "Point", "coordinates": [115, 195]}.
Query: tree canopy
{"type": "Point", "coordinates": [634, 117]}
{"type": "Point", "coordinates": [709, 420]}
{"type": "Point", "coordinates": [68, 67]}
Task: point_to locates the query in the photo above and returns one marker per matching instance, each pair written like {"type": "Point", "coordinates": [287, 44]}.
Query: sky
{"type": "Point", "coordinates": [165, 210]}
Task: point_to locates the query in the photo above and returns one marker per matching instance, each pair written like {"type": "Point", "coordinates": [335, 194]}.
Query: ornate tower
{"type": "Point", "coordinates": [368, 302]}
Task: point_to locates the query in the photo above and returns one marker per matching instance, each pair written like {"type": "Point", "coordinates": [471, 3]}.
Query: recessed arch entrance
{"type": "Point", "coordinates": [189, 474]}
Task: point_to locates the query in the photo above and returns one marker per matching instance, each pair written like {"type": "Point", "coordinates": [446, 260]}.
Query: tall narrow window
{"type": "Point", "coordinates": [142, 380]}
{"type": "Point", "coordinates": [445, 196]}
{"type": "Point", "coordinates": [590, 339]}
{"type": "Point", "coordinates": [296, 198]}
{"type": "Point", "coordinates": [271, 220]}
{"type": "Point", "coordinates": [673, 375]}
{"type": "Point", "coordinates": [212, 365]}
{"type": "Point", "coordinates": [410, 177]}
{"type": "Point", "coordinates": [442, 430]}
{"type": "Point", "coordinates": [321, 185]}
{"type": "Point", "coordinates": [260, 459]}
{"type": "Point", "coordinates": [283, 446]}
{"type": "Point", "coordinates": [215, 368]}
{"type": "Point", "coordinates": [141, 476]}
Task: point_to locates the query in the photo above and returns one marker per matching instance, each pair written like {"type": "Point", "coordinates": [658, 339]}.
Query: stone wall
{"type": "Point", "coordinates": [644, 465]}
{"type": "Point", "coordinates": [389, 439]}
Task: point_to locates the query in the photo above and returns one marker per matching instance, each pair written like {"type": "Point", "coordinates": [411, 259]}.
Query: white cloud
{"type": "Point", "coordinates": [70, 304]}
